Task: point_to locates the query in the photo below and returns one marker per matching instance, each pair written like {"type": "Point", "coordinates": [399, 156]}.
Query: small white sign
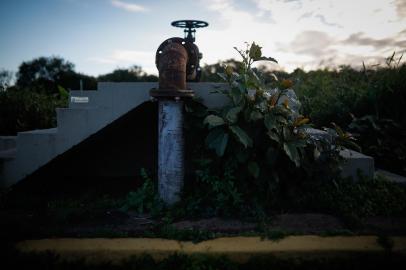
{"type": "Point", "coordinates": [79, 99]}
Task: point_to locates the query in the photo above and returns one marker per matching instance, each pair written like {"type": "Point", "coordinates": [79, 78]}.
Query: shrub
{"type": "Point", "coordinates": [23, 109]}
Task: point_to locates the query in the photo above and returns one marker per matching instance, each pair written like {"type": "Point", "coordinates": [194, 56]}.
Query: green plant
{"type": "Point", "coordinates": [222, 192]}
{"type": "Point", "coordinates": [257, 119]}
{"type": "Point", "coordinates": [356, 200]}
{"type": "Point", "coordinates": [258, 147]}
{"type": "Point", "coordinates": [23, 109]}
{"type": "Point", "coordinates": [144, 199]}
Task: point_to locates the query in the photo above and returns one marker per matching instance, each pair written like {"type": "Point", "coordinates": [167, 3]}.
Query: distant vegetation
{"type": "Point", "coordinates": [371, 102]}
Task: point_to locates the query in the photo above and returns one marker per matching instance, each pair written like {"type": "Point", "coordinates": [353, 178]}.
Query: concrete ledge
{"type": "Point", "coordinates": [354, 162]}
{"type": "Point", "coordinates": [392, 177]}
{"type": "Point", "coordinates": [7, 142]}
{"type": "Point", "coordinates": [239, 249]}
{"type": "Point", "coordinates": [8, 154]}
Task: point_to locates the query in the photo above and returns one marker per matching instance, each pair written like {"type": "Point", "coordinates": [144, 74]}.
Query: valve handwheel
{"type": "Point", "coordinates": [190, 26]}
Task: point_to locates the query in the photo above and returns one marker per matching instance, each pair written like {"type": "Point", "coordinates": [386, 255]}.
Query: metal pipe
{"type": "Point", "coordinates": [172, 66]}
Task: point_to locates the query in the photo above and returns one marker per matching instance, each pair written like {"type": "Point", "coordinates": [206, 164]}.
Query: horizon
{"type": "Point", "coordinates": [101, 36]}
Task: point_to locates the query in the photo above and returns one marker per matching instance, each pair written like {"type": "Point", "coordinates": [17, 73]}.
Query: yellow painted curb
{"type": "Point", "coordinates": [236, 248]}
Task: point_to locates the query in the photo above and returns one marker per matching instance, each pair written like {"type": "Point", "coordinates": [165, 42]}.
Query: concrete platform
{"type": "Point", "coordinates": [356, 162]}
{"type": "Point", "coordinates": [239, 249]}
{"type": "Point", "coordinates": [392, 177]}
{"type": "Point", "coordinates": [8, 154]}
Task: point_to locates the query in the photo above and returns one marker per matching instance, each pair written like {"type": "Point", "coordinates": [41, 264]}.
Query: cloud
{"type": "Point", "coordinates": [360, 39]}
{"type": "Point", "coordinates": [313, 43]}
{"type": "Point", "coordinates": [401, 8]}
{"type": "Point", "coordinates": [324, 21]}
{"type": "Point", "coordinates": [305, 33]}
{"type": "Point", "coordinates": [218, 5]}
{"type": "Point", "coordinates": [120, 57]}
{"type": "Point", "coordinates": [131, 7]}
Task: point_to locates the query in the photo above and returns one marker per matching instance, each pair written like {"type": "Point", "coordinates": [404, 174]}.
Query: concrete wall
{"type": "Point", "coordinates": [33, 149]}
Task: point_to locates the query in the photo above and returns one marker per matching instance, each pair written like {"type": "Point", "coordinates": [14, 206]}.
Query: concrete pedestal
{"type": "Point", "coordinates": [170, 150]}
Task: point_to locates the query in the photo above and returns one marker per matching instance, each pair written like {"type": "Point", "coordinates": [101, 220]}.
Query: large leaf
{"type": "Point", "coordinates": [301, 121]}
{"type": "Point", "coordinates": [241, 136]}
{"type": "Point", "coordinates": [253, 168]}
{"type": "Point", "coordinates": [62, 92]}
{"type": "Point", "coordinates": [263, 58]}
{"type": "Point", "coordinates": [232, 114]}
{"type": "Point", "coordinates": [236, 95]}
{"type": "Point", "coordinates": [270, 121]}
{"type": "Point", "coordinates": [213, 121]}
{"type": "Point", "coordinates": [255, 115]}
{"type": "Point", "coordinates": [217, 140]}
{"type": "Point", "coordinates": [292, 153]}
{"type": "Point", "coordinates": [274, 136]}
{"type": "Point", "coordinates": [287, 133]}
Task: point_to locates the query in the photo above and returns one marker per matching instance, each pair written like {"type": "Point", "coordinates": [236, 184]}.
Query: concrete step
{"type": "Point", "coordinates": [76, 124]}
{"type": "Point", "coordinates": [7, 142]}
{"type": "Point", "coordinates": [34, 149]}
{"type": "Point", "coordinates": [8, 154]}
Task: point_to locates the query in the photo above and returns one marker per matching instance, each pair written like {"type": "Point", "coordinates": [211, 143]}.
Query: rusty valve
{"type": "Point", "coordinates": [172, 67]}
{"type": "Point", "coordinates": [177, 60]}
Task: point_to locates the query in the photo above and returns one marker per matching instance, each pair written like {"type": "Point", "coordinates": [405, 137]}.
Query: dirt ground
{"type": "Point", "coordinates": [25, 225]}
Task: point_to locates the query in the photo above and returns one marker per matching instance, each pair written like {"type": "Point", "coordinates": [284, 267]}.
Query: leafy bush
{"type": "Point", "coordinates": [23, 109]}
{"type": "Point", "coordinates": [144, 199]}
{"type": "Point", "coordinates": [367, 197]}
{"type": "Point", "coordinates": [258, 145]}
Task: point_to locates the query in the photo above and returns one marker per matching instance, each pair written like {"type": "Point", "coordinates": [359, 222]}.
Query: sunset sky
{"type": "Point", "coordinates": [101, 35]}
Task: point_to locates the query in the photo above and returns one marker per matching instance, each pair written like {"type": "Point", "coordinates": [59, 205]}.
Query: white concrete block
{"type": "Point", "coordinates": [354, 162]}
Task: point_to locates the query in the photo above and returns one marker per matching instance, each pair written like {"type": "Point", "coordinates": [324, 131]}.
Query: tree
{"type": "Point", "coordinates": [45, 74]}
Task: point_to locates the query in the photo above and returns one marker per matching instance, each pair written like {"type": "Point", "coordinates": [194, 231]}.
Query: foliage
{"type": "Point", "coordinates": [144, 199]}
{"type": "Point", "coordinates": [209, 72]}
{"type": "Point", "coordinates": [374, 97]}
{"type": "Point", "coordinates": [23, 109]}
{"type": "Point", "coordinates": [210, 194]}
{"type": "Point", "coordinates": [253, 107]}
{"type": "Point", "coordinates": [365, 198]}
{"type": "Point", "coordinates": [257, 146]}
{"type": "Point", "coordinates": [45, 74]}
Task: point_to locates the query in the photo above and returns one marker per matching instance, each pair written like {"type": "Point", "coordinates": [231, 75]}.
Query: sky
{"type": "Point", "coordinates": [99, 36]}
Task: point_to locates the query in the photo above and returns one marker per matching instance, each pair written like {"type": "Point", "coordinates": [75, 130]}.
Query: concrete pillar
{"type": "Point", "coordinates": [170, 150]}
